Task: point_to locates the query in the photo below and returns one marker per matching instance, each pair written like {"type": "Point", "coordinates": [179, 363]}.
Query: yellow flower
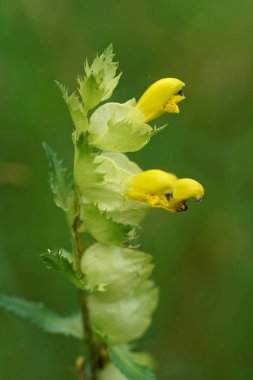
{"type": "Point", "coordinates": [161, 97]}
{"type": "Point", "coordinates": [164, 190]}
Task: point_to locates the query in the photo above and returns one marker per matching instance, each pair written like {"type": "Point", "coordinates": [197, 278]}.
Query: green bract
{"type": "Point", "coordinates": [106, 187]}
{"type": "Point", "coordinates": [102, 227]}
{"type": "Point", "coordinates": [114, 271]}
{"type": "Point", "coordinates": [76, 109]}
{"type": "Point", "coordinates": [126, 319]}
{"type": "Point", "coordinates": [99, 80]}
{"type": "Point", "coordinates": [118, 127]}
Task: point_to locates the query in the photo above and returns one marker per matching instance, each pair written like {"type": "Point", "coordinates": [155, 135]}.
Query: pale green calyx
{"type": "Point", "coordinates": [133, 365]}
{"type": "Point", "coordinates": [126, 319]}
{"type": "Point", "coordinates": [114, 271]}
{"type": "Point", "coordinates": [99, 79]}
{"type": "Point", "coordinates": [127, 364]}
{"type": "Point", "coordinates": [116, 127]}
{"type": "Point", "coordinates": [110, 372]}
{"type": "Point", "coordinates": [102, 179]}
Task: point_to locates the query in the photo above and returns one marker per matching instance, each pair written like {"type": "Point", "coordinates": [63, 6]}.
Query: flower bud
{"type": "Point", "coordinates": [99, 80]}
{"type": "Point", "coordinates": [114, 271]}
{"type": "Point", "coordinates": [126, 319]}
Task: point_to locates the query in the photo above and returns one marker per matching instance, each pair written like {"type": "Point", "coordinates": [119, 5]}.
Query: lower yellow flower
{"type": "Point", "coordinates": [164, 190]}
{"type": "Point", "coordinates": [163, 96]}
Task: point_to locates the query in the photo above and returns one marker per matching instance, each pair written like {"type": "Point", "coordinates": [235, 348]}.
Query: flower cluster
{"type": "Point", "coordinates": [115, 195]}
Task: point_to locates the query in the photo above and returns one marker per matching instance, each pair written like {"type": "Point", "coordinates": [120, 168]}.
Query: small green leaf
{"type": "Point", "coordinates": [60, 181]}
{"type": "Point", "coordinates": [75, 108]}
{"type": "Point", "coordinates": [42, 317]}
{"type": "Point", "coordinates": [56, 261]}
{"type": "Point", "coordinates": [104, 229]}
{"type": "Point", "coordinates": [128, 364]}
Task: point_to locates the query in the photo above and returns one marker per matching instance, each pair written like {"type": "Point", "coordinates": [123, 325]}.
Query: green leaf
{"type": "Point", "coordinates": [99, 80]}
{"type": "Point", "coordinates": [128, 364]}
{"type": "Point", "coordinates": [60, 181]}
{"type": "Point", "coordinates": [42, 317]}
{"type": "Point", "coordinates": [56, 261]}
{"type": "Point", "coordinates": [104, 229]}
{"type": "Point", "coordinates": [75, 107]}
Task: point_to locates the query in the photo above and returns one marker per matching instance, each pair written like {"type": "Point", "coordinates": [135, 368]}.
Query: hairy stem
{"type": "Point", "coordinates": [89, 346]}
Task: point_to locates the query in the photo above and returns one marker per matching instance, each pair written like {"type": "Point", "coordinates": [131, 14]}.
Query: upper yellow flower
{"type": "Point", "coordinates": [164, 190]}
{"type": "Point", "coordinates": [161, 97]}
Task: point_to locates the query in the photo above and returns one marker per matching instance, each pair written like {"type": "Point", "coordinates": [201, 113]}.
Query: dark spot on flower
{"type": "Point", "coordinates": [198, 200]}
{"type": "Point", "coordinates": [180, 92]}
{"type": "Point", "coordinates": [169, 196]}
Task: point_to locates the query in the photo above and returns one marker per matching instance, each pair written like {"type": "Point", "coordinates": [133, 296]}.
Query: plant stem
{"type": "Point", "coordinates": [80, 366]}
{"type": "Point", "coordinates": [89, 346]}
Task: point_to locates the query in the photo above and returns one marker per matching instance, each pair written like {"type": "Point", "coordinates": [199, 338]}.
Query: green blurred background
{"type": "Point", "coordinates": [203, 328]}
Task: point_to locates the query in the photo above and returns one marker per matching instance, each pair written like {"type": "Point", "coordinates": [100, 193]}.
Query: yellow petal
{"type": "Point", "coordinates": [152, 181]}
{"type": "Point", "coordinates": [156, 99]}
{"type": "Point", "coordinates": [151, 187]}
{"type": "Point", "coordinates": [171, 107]}
{"type": "Point", "coordinates": [186, 188]}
